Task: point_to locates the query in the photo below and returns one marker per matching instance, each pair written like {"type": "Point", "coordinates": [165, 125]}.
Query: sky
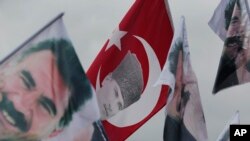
{"type": "Point", "coordinates": [90, 23]}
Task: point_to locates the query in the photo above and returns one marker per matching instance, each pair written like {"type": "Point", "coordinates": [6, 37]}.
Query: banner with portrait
{"type": "Point", "coordinates": [234, 66]}
{"type": "Point", "coordinates": [44, 91]}
{"type": "Point", "coordinates": [128, 65]}
{"type": "Point", "coordinates": [185, 118]}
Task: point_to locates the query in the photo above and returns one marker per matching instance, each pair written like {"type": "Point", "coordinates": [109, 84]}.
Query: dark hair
{"type": "Point", "coordinates": [71, 72]}
{"type": "Point", "coordinates": [229, 11]}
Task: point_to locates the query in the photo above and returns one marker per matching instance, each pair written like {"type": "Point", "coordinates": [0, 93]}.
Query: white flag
{"type": "Point", "coordinates": [225, 135]}
{"type": "Point", "coordinates": [185, 119]}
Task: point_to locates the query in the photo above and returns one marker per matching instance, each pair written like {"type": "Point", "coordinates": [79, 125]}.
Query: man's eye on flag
{"type": "Point", "coordinates": [128, 65]}
{"type": "Point", "coordinates": [234, 66]}
{"type": "Point", "coordinates": [44, 91]}
{"type": "Point", "coordinates": [185, 118]}
{"type": "Point", "coordinates": [225, 134]}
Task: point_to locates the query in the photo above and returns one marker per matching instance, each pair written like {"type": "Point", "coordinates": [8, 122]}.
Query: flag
{"type": "Point", "coordinates": [128, 65]}
{"type": "Point", "coordinates": [220, 18]}
{"type": "Point", "coordinates": [234, 64]}
{"type": "Point", "coordinates": [44, 91]}
{"type": "Point", "coordinates": [225, 134]}
{"type": "Point", "coordinates": [185, 118]}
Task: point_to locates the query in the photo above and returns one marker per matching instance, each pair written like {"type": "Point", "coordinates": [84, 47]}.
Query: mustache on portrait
{"type": "Point", "coordinates": [19, 118]}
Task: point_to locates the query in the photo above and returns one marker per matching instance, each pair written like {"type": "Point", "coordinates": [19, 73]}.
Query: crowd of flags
{"type": "Point", "coordinates": [142, 67]}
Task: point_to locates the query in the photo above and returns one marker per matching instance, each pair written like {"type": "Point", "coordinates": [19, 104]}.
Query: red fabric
{"type": "Point", "coordinates": [149, 20]}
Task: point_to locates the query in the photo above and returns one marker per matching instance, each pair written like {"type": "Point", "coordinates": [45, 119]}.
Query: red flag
{"type": "Point", "coordinates": [138, 47]}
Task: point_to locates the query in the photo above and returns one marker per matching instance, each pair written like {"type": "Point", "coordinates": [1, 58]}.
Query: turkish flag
{"type": "Point", "coordinates": [134, 56]}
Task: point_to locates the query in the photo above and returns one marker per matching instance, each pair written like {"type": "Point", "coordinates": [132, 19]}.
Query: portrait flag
{"type": "Point", "coordinates": [185, 118]}
{"type": "Point", "coordinates": [234, 64]}
{"type": "Point", "coordinates": [128, 65]}
{"type": "Point", "coordinates": [225, 134]}
{"type": "Point", "coordinates": [219, 19]}
{"type": "Point", "coordinates": [45, 93]}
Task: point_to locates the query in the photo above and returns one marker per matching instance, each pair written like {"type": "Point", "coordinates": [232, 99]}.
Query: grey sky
{"type": "Point", "coordinates": [90, 23]}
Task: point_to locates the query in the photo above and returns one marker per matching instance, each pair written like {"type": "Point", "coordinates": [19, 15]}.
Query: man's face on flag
{"type": "Point", "coordinates": [109, 97]}
{"type": "Point", "coordinates": [33, 96]}
{"type": "Point", "coordinates": [179, 85]}
{"type": "Point", "coordinates": [235, 23]}
{"type": "Point", "coordinates": [176, 107]}
{"type": "Point", "coordinates": [121, 88]}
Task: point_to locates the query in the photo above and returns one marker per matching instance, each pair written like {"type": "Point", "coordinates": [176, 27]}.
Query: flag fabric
{"type": "Point", "coordinates": [185, 118]}
{"type": "Point", "coordinates": [234, 64]}
{"type": "Point", "coordinates": [128, 65]}
{"type": "Point", "coordinates": [220, 18]}
{"type": "Point", "coordinates": [225, 134]}
{"type": "Point", "coordinates": [45, 93]}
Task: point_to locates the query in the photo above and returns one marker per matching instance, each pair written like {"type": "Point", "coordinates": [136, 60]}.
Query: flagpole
{"type": "Point", "coordinates": [32, 37]}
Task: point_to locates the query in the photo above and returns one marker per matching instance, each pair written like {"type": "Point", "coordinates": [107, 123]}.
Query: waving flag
{"type": "Point", "coordinates": [225, 134]}
{"type": "Point", "coordinates": [185, 119]}
{"type": "Point", "coordinates": [219, 21]}
{"type": "Point", "coordinates": [234, 65]}
{"type": "Point", "coordinates": [44, 91]}
{"type": "Point", "coordinates": [128, 65]}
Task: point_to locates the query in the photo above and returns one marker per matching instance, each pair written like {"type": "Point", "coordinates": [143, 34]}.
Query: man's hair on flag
{"type": "Point", "coordinates": [229, 11]}
{"type": "Point", "coordinates": [71, 72]}
{"type": "Point", "coordinates": [129, 77]}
